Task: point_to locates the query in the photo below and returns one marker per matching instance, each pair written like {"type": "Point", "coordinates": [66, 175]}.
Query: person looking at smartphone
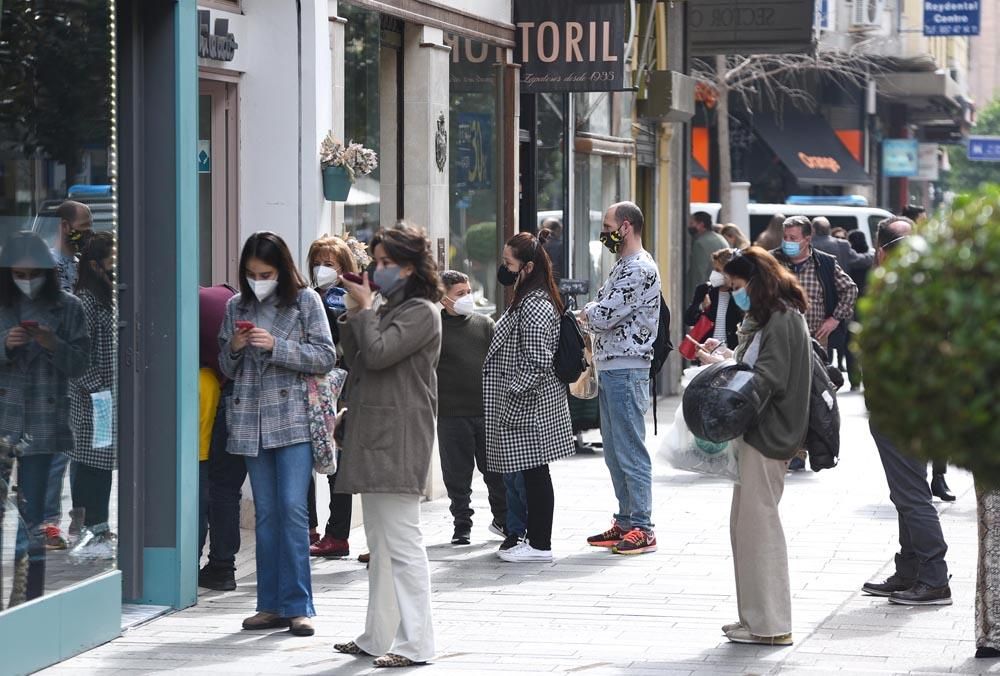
{"type": "Point", "coordinates": [329, 258]}
{"type": "Point", "coordinates": [45, 345]}
{"type": "Point", "coordinates": [392, 393]}
{"type": "Point", "coordinates": [775, 344]}
{"type": "Point", "coordinates": [713, 300]}
{"type": "Point", "coordinates": [268, 420]}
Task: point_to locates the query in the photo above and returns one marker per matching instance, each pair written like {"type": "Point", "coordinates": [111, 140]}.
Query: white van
{"type": "Point", "coordinates": [865, 219]}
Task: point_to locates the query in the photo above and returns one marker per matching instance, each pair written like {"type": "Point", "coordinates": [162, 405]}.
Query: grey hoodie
{"type": "Point", "coordinates": [624, 318]}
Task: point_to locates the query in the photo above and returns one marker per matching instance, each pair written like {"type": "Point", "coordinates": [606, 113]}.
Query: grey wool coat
{"type": "Point", "coordinates": [34, 383]}
{"type": "Point", "coordinates": [267, 408]}
{"type": "Point", "coordinates": [391, 396]}
{"type": "Point", "coordinates": [527, 412]}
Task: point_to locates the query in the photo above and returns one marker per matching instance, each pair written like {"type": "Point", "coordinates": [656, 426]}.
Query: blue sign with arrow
{"type": "Point", "coordinates": [984, 148]}
{"type": "Point", "coordinates": [951, 17]}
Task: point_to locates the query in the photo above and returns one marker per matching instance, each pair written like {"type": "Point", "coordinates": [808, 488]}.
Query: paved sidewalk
{"type": "Point", "coordinates": [596, 613]}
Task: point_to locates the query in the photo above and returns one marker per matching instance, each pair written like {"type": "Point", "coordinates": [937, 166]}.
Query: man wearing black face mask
{"type": "Point", "coordinates": [624, 320]}
{"type": "Point", "coordinates": [75, 229]}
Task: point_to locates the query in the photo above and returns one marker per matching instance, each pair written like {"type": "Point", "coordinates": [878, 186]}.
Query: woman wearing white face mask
{"type": "Point", "coordinates": [714, 301]}
{"type": "Point", "coordinates": [391, 401]}
{"type": "Point", "coordinates": [274, 332]}
{"type": "Point", "coordinates": [45, 345]}
{"type": "Point", "coordinates": [330, 257]}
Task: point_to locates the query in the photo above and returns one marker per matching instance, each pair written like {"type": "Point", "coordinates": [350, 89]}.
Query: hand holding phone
{"type": "Point", "coordinates": [244, 325]}
{"type": "Point", "coordinates": [355, 278]}
{"type": "Point", "coordinates": [29, 324]}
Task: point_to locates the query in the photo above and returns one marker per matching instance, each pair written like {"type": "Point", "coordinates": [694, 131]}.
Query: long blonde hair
{"type": "Point", "coordinates": [734, 236]}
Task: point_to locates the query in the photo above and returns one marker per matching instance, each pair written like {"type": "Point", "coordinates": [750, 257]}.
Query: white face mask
{"type": "Point", "coordinates": [325, 276]}
{"type": "Point", "coordinates": [263, 288]}
{"type": "Point", "coordinates": [717, 278]}
{"type": "Point", "coordinates": [464, 305]}
{"type": "Point", "coordinates": [31, 287]}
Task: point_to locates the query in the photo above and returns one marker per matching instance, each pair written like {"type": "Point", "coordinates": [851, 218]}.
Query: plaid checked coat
{"type": "Point", "coordinates": [99, 376]}
{"type": "Point", "coordinates": [527, 413]}
{"type": "Point", "coordinates": [267, 408]}
{"type": "Point", "coordinates": [34, 384]}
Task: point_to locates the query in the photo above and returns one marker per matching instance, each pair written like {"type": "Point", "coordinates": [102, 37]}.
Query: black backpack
{"type": "Point", "coordinates": [568, 361]}
{"type": "Point", "coordinates": [662, 347]}
{"type": "Point", "coordinates": [823, 437]}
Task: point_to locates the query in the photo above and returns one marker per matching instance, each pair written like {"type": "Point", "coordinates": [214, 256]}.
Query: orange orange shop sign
{"type": "Point", "coordinates": [819, 162]}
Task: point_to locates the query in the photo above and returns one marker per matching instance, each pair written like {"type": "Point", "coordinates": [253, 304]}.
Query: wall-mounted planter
{"type": "Point", "coordinates": [336, 184]}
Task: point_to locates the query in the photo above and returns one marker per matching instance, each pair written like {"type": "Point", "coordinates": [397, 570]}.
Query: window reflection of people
{"type": "Point", "coordinates": [75, 229]}
{"type": "Point", "coordinates": [94, 450]}
{"type": "Point", "coordinates": [554, 245]}
{"type": "Point", "coordinates": [45, 344]}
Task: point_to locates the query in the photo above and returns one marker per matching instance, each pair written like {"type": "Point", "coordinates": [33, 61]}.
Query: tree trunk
{"type": "Point", "coordinates": [722, 125]}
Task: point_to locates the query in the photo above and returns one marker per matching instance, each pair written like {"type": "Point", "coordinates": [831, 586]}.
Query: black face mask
{"type": "Point", "coordinates": [505, 276]}
{"type": "Point", "coordinates": [612, 240]}
{"type": "Point", "coordinates": [78, 239]}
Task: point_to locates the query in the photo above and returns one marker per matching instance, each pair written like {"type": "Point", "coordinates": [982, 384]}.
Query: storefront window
{"type": "Point", "coordinates": [600, 181]}
{"type": "Point", "coordinates": [362, 55]}
{"type": "Point", "coordinates": [550, 153]}
{"type": "Point", "coordinates": [474, 173]}
{"type": "Point", "coordinates": [58, 304]}
{"type": "Point", "coordinates": [593, 112]}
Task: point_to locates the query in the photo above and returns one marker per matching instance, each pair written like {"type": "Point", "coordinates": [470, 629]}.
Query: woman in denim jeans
{"type": "Point", "coordinates": [275, 333]}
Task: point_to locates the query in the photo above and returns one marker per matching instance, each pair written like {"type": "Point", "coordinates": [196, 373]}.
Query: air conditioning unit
{"type": "Point", "coordinates": [867, 13]}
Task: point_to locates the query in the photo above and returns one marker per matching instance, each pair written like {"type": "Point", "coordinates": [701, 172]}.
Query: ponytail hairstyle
{"type": "Point", "coordinates": [771, 287]}
{"type": "Point", "coordinates": [530, 249]}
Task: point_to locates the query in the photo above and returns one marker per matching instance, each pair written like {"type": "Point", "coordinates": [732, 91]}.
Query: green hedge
{"type": "Point", "coordinates": [931, 339]}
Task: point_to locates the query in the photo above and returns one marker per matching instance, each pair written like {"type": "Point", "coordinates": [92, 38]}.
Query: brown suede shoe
{"type": "Point", "coordinates": [302, 626]}
{"type": "Point", "coordinates": [265, 620]}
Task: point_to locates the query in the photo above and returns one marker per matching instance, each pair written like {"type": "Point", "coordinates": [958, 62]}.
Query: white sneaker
{"type": "Point", "coordinates": [525, 553]}
{"type": "Point", "coordinates": [94, 545]}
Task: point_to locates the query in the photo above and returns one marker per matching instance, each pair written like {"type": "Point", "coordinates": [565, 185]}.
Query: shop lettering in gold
{"type": "Point", "coordinates": [818, 162]}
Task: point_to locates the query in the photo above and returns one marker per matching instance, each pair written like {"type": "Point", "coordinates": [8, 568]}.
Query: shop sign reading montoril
{"type": "Point", "coordinates": [570, 45]}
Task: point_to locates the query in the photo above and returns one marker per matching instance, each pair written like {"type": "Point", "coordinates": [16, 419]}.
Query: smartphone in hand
{"type": "Point", "coordinates": [244, 326]}
{"type": "Point", "coordinates": [355, 278]}
{"type": "Point", "coordinates": [29, 324]}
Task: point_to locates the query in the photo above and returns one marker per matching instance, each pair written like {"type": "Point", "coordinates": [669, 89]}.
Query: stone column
{"type": "Point", "coordinates": [425, 128]}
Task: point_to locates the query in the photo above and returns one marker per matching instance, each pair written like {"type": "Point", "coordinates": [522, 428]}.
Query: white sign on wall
{"type": "Point", "coordinates": [927, 162]}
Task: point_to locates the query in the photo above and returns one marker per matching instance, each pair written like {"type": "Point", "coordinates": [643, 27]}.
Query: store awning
{"type": "Point", "coordinates": [807, 146]}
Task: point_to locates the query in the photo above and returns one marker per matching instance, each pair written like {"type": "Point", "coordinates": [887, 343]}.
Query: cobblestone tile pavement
{"type": "Point", "coordinates": [594, 613]}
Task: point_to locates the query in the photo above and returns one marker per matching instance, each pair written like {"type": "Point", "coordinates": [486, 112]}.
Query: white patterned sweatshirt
{"type": "Point", "coordinates": [624, 318]}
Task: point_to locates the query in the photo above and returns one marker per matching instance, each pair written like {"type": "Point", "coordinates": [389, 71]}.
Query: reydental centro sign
{"type": "Point", "coordinates": [951, 17]}
{"type": "Point", "coordinates": [570, 45]}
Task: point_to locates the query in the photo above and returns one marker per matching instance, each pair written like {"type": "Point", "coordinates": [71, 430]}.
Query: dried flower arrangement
{"type": "Point", "coordinates": [354, 157]}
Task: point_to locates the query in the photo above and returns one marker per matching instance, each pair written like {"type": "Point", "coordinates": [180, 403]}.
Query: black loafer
{"type": "Point", "coordinates": [894, 583]}
{"type": "Point", "coordinates": [921, 594]}
{"type": "Point", "coordinates": [939, 488]}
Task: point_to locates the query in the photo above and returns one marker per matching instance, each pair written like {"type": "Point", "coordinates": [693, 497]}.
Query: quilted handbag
{"type": "Point", "coordinates": [322, 392]}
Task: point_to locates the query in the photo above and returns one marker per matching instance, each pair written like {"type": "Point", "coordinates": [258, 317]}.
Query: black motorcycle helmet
{"type": "Point", "coordinates": [722, 402]}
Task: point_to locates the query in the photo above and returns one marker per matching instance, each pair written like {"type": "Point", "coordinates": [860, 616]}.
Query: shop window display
{"type": "Point", "coordinates": [58, 299]}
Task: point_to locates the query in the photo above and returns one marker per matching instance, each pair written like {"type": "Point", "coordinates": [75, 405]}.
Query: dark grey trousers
{"type": "Point", "coordinates": [921, 541]}
{"type": "Point", "coordinates": [462, 443]}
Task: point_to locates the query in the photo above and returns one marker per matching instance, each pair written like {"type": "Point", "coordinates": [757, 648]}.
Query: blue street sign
{"type": "Point", "coordinates": [984, 148]}
{"type": "Point", "coordinates": [951, 17]}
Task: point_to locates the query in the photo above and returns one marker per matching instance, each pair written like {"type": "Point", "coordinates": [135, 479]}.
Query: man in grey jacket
{"type": "Point", "coordinates": [623, 321]}
{"type": "Point", "coordinates": [841, 249]}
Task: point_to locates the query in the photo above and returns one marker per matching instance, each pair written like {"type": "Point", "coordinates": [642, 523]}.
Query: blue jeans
{"type": "Point", "coordinates": [280, 481]}
{"type": "Point", "coordinates": [517, 504]}
{"type": "Point", "coordinates": [623, 395]}
{"type": "Point", "coordinates": [54, 490]}
{"type": "Point", "coordinates": [32, 480]}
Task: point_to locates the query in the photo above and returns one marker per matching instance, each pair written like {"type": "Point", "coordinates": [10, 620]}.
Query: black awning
{"type": "Point", "coordinates": [697, 171]}
{"type": "Point", "coordinates": [807, 146]}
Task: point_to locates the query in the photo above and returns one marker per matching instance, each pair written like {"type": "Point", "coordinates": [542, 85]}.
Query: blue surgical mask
{"type": "Point", "coordinates": [388, 279]}
{"type": "Point", "coordinates": [742, 299]}
{"type": "Point", "coordinates": [791, 248]}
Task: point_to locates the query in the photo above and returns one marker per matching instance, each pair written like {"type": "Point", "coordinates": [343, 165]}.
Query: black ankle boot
{"type": "Point", "coordinates": [939, 488]}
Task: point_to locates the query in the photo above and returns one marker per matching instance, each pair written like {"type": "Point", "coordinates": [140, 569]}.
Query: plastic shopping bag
{"type": "Point", "coordinates": [682, 450]}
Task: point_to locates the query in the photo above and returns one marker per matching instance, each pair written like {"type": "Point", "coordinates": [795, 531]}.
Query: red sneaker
{"type": "Point", "coordinates": [608, 538]}
{"type": "Point", "coordinates": [636, 541]}
{"type": "Point", "coordinates": [330, 548]}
